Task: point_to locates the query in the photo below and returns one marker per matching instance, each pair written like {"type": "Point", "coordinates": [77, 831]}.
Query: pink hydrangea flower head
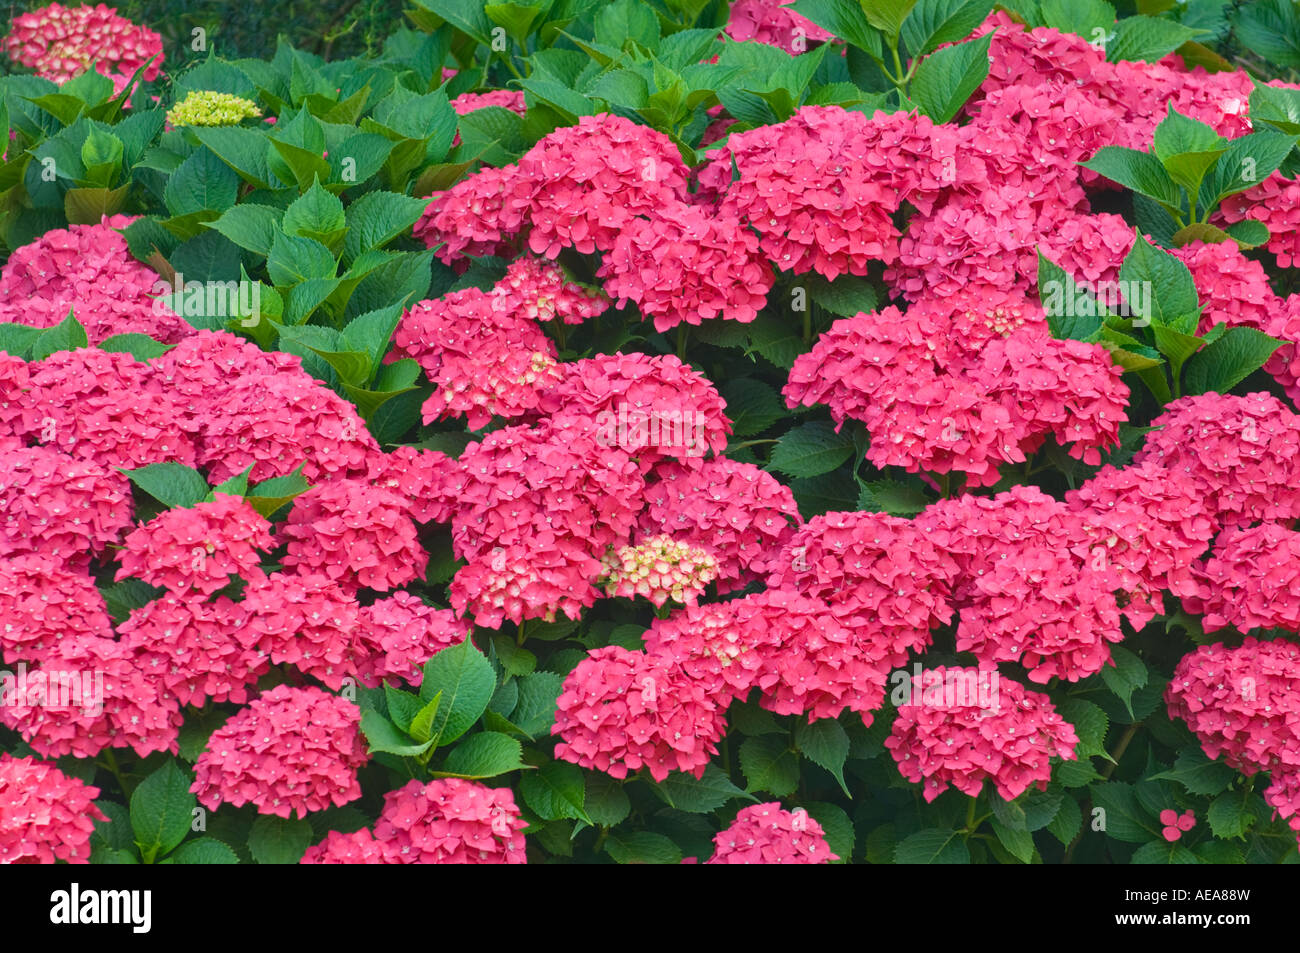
{"type": "Point", "coordinates": [44, 814]}
{"type": "Point", "coordinates": [884, 578]}
{"type": "Point", "coordinates": [621, 711]}
{"type": "Point", "coordinates": [594, 179]}
{"type": "Point", "coordinates": [1273, 203]}
{"type": "Point", "coordinates": [92, 693]}
{"type": "Point", "coordinates": [766, 834]}
{"type": "Point", "coordinates": [197, 548]}
{"type": "Point", "coordinates": [649, 406]}
{"type": "Point", "coordinates": [279, 422]}
{"type": "Point", "coordinates": [44, 601]}
{"type": "Point", "coordinates": [815, 663]}
{"type": "Point", "coordinates": [1042, 53]}
{"type": "Point", "coordinates": [306, 620]}
{"type": "Point", "coordinates": [400, 634]}
{"type": "Point", "coordinates": [1232, 288]}
{"type": "Point", "coordinates": [774, 23]}
{"type": "Point", "coordinates": [1241, 452]}
{"type": "Point", "coordinates": [199, 371]}
{"type": "Point", "coordinates": [423, 478]}
{"type": "Point", "coordinates": [740, 512]}
{"type": "Point", "coordinates": [941, 740]}
{"type": "Point", "coordinates": [484, 357]}
{"type": "Point", "coordinates": [290, 751]}
{"type": "Point", "coordinates": [99, 406]}
{"type": "Point", "coordinates": [517, 582]}
{"type": "Point", "coordinates": [358, 847]}
{"type": "Point", "coordinates": [512, 99]}
{"type": "Point", "coordinates": [1070, 389]}
{"type": "Point", "coordinates": [936, 401]}
{"type": "Point", "coordinates": [1045, 610]}
{"type": "Point", "coordinates": [821, 187]}
{"type": "Point", "coordinates": [1251, 580]}
{"type": "Point", "coordinates": [548, 488]}
{"type": "Point", "coordinates": [479, 215]}
{"type": "Point", "coordinates": [61, 42]}
{"type": "Point", "coordinates": [89, 270]}
{"type": "Point", "coordinates": [355, 533]}
{"type": "Point", "coordinates": [540, 290]}
{"type": "Point", "coordinates": [705, 642]}
{"type": "Point", "coordinates": [59, 505]}
{"type": "Point", "coordinates": [192, 648]}
{"type": "Point", "coordinates": [1148, 528]}
{"type": "Point", "coordinates": [1242, 703]}
{"type": "Point", "coordinates": [451, 821]}
{"type": "Point", "coordinates": [686, 264]}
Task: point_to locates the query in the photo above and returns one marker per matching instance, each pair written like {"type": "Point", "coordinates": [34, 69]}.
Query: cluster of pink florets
{"type": "Point", "coordinates": [58, 505]}
{"type": "Point", "coordinates": [540, 290]}
{"type": "Point", "coordinates": [609, 185]}
{"type": "Point", "coordinates": [44, 814]}
{"type": "Point", "coordinates": [576, 188]}
{"type": "Point", "coordinates": [512, 99]}
{"type": "Point", "coordinates": [686, 264]}
{"type": "Point", "coordinates": [483, 356]}
{"type": "Point", "coordinates": [774, 23]}
{"type": "Point", "coordinates": [355, 533]}
{"type": "Point", "coordinates": [252, 759]}
{"type": "Point", "coordinates": [651, 407]}
{"type": "Point", "coordinates": [61, 42]}
{"type": "Point", "coordinates": [741, 513]}
{"type": "Point", "coordinates": [963, 384]}
{"type": "Point", "coordinates": [216, 402]}
{"type": "Point", "coordinates": [1243, 706]}
{"type": "Point", "coordinates": [449, 821]}
{"type": "Point", "coordinates": [621, 711]}
{"type": "Point", "coordinates": [197, 549]}
{"type": "Point", "coordinates": [943, 741]}
{"type": "Point", "coordinates": [87, 269]}
{"type": "Point", "coordinates": [766, 834]}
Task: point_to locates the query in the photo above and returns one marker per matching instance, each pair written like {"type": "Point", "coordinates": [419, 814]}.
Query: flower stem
{"type": "Point", "coordinates": [110, 762]}
{"type": "Point", "coordinates": [1120, 748]}
{"type": "Point", "coordinates": [900, 78]}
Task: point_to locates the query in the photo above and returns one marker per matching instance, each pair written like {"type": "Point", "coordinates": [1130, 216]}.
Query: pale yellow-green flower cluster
{"type": "Point", "coordinates": [660, 568]}
{"type": "Point", "coordinates": [208, 108]}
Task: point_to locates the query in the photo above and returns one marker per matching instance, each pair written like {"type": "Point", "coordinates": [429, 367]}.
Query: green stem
{"type": "Point", "coordinates": [748, 443]}
{"type": "Point", "coordinates": [1120, 748]}
{"type": "Point", "coordinates": [807, 327]}
{"type": "Point", "coordinates": [519, 638]}
{"type": "Point", "coordinates": [110, 763]}
{"type": "Point", "coordinates": [901, 80]}
{"type": "Point", "coordinates": [681, 341]}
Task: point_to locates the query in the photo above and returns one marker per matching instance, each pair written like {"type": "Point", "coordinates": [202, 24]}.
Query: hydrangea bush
{"type": "Point", "coordinates": [656, 431]}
